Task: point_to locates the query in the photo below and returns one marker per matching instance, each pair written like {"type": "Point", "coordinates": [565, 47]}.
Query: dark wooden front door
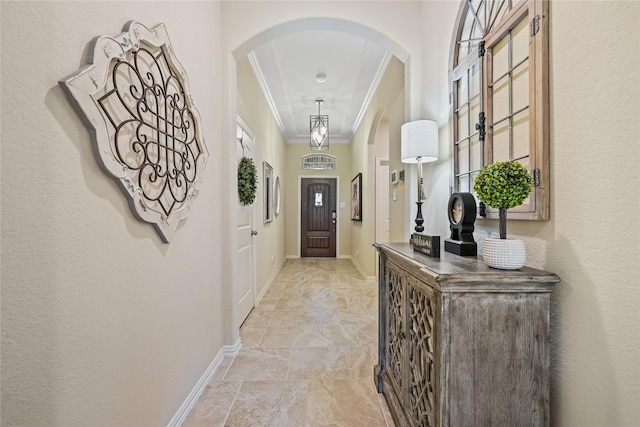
{"type": "Point", "coordinates": [318, 217]}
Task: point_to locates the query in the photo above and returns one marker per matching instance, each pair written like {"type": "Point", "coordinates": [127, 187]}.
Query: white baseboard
{"type": "Point", "coordinates": [192, 398]}
{"type": "Point", "coordinates": [266, 285]}
{"type": "Point", "coordinates": [232, 350]}
{"type": "Point", "coordinates": [362, 273]}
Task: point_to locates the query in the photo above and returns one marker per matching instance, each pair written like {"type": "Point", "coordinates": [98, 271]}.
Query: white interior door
{"type": "Point", "coordinates": [382, 200]}
{"type": "Point", "coordinates": [382, 203]}
{"type": "Point", "coordinates": [245, 294]}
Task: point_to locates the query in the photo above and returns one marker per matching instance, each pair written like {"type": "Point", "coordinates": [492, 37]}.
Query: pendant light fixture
{"type": "Point", "coordinates": [319, 130]}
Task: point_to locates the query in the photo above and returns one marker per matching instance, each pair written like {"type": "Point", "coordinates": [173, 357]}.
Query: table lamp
{"type": "Point", "coordinates": [419, 144]}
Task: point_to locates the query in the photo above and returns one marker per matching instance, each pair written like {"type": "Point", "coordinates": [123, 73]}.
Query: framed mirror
{"type": "Point", "coordinates": [268, 192]}
{"type": "Point", "coordinates": [276, 195]}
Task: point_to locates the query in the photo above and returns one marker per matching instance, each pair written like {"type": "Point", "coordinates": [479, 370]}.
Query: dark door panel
{"type": "Point", "coordinates": [318, 217]}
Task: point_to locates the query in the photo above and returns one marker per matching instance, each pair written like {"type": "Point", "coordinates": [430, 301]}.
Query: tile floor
{"type": "Point", "coordinates": [307, 357]}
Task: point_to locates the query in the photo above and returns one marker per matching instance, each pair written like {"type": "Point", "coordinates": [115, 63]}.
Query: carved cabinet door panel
{"type": "Point", "coordinates": [396, 327]}
{"type": "Point", "coordinates": [423, 310]}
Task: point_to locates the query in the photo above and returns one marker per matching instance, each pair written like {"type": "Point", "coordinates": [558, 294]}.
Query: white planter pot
{"type": "Point", "coordinates": [505, 254]}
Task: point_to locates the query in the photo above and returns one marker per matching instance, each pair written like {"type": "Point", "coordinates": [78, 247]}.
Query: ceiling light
{"type": "Point", "coordinates": [321, 77]}
{"type": "Point", "coordinates": [319, 130]}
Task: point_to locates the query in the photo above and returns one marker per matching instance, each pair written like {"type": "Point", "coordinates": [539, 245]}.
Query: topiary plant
{"type": "Point", "coordinates": [247, 181]}
{"type": "Point", "coordinates": [503, 185]}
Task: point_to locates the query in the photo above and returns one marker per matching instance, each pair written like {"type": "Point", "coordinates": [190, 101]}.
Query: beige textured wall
{"type": "Point", "coordinates": [270, 147]}
{"type": "Point", "coordinates": [102, 323]}
{"type": "Point", "coordinates": [292, 195]}
{"type": "Point", "coordinates": [388, 100]}
{"type": "Point", "coordinates": [592, 240]}
{"type": "Point", "coordinates": [438, 18]}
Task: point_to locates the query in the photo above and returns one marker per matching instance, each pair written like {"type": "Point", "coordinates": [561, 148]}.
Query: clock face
{"type": "Point", "coordinates": [456, 211]}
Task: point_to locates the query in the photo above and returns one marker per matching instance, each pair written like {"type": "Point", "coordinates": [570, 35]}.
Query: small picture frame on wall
{"type": "Point", "coordinates": [394, 177]}
{"type": "Point", "coordinates": [356, 198]}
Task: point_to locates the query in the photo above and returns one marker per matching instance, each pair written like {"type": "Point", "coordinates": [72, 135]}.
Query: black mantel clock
{"type": "Point", "coordinates": [462, 215]}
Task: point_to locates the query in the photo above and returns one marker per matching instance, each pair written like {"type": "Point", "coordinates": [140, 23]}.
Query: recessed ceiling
{"type": "Point", "coordinates": [287, 68]}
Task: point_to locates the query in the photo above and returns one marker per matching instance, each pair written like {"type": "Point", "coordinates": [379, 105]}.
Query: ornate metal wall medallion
{"type": "Point", "coordinates": [135, 95]}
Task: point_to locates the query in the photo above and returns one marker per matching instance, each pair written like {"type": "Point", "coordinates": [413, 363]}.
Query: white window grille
{"type": "Point", "coordinates": [318, 162]}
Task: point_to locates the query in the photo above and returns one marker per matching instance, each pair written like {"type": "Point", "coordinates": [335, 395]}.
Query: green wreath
{"type": "Point", "coordinates": [247, 181]}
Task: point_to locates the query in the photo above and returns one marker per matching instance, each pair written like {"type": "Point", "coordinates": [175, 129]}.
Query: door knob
{"type": "Point", "coordinates": [254, 233]}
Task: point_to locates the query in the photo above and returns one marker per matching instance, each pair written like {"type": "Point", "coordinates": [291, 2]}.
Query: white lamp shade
{"type": "Point", "coordinates": [419, 141]}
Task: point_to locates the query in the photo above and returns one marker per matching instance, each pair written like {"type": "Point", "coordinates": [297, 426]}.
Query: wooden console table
{"type": "Point", "coordinates": [462, 344]}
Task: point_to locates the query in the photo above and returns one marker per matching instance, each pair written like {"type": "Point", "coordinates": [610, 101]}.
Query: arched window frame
{"type": "Point", "coordinates": [493, 24]}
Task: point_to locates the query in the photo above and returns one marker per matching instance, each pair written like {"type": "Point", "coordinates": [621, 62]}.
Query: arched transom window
{"type": "Point", "coordinates": [500, 94]}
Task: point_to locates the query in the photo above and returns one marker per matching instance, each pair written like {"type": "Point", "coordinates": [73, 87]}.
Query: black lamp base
{"type": "Point", "coordinates": [419, 220]}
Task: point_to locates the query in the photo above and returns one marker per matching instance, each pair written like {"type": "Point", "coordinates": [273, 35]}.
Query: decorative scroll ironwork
{"type": "Point", "coordinates": [395, 334]}
{"type": "Point", "coordinates": [135, 95]}
{"type": "Point", "coordinates": [422, 377]}
{"type": "Point", "coordinates": [157, 139]}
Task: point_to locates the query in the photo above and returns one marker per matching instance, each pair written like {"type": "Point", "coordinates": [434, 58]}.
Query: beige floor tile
{"type": "Point", "coordinates": [284, 335]}
{"type": "Point", "coordinates": [313, 303]}
{"type": "Point", "coordinates": [260, 364]}
{"type": "Point", "coordinates": [345, 277]}
{"type": "Point", "coordinates": [361, 362]}
{"type": "Point", "coordinates": [340, 316]}
{"type": "Point", "coordinates": [361, 301]}
{"type": "Point", "coordinates": [213, 405]}
{"type": "Point", "coordinates": [260, 317]}
{"type": "Point", "coordinates": [269, 303]}
{"type": "Point", "coordinates": [319, 362]}
{"type": "Point", "coordinates": [355, 284]}
{"type": "Point", "coordinates": [333, 335]}
{"type": "Point", "coordinates": [269, 403]}
{"type": "Point", "coordinates": [281, 284]}
{"type": "Point", "coordinates": [321, 317]}
{"type": "Point", "coordinates": [323, 276]}
{"type": "Point", "coordinates": [310, 336]}
{"type": "Point", "coordinates": [368, 334]}
{"type": "Point", "coordinates": [286, 292]}
{"type": "Point", "coordinates": [222, 369]}
{"type": "Point", "coordinates": [251, 335]}
{"type": "Point", "coordinates": [292, 276]}
{"type": "Point", "coordinates": [352, 403]}
{"type": "Point", "coordinates": [385, 411]}
{"type": "Point", "coordinates": [320, 292]}
{"type": "Point", "coordinates": [307, 356]}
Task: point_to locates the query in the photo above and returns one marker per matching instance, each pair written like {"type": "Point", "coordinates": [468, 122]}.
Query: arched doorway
{"type": "Point", "coordinates": [302, 24]}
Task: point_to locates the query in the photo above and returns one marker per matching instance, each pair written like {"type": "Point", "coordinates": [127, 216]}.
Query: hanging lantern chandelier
{"type": "Point", "coordinates": [319, 130]}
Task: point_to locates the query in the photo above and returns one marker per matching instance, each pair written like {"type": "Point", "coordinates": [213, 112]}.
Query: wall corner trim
{"type": "Point", "coordinates": [267, 285]}
{"type": "Point", "coordinates": [359, 267]}
{"type": "Point", "coordinates": [192, 398]}
{"type": "Point", "coordinates": [232, 350]}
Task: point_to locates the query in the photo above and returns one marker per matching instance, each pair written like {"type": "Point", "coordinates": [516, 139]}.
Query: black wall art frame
{"type": "Point", "coordinates": [356, 198]}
